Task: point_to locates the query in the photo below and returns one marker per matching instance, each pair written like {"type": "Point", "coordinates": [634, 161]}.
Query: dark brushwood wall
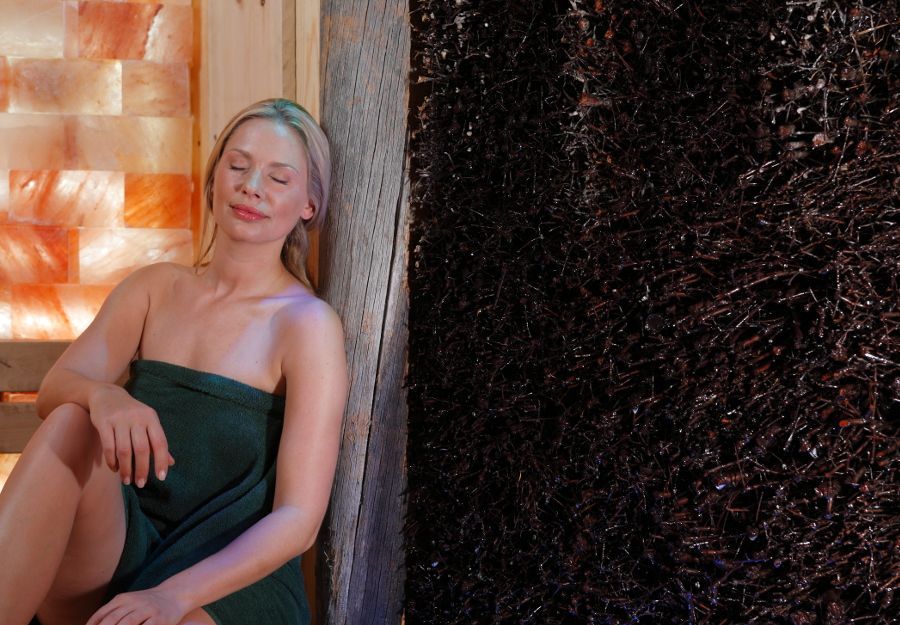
{"type": "Point", "coordinates": [364, 63]}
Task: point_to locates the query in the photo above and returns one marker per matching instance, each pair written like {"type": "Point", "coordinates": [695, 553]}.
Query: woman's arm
{"type": "Point", "coordinates": [86, 373]}
{"type": "Point", "coordinates": [98, 357]}
{"type": "Point", "coordinates": [315, 370]}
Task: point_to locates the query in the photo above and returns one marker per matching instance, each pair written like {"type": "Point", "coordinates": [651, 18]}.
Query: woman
{"type": "Point", "coordinates": [159, 504]}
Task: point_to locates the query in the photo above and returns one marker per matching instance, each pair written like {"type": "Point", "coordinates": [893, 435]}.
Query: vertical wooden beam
{"type": "Point", "coordinates": [365, 61]}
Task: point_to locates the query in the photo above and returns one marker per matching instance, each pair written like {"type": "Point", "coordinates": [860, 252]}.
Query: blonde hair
{"type": "Point", "coordinates": [318, 156]}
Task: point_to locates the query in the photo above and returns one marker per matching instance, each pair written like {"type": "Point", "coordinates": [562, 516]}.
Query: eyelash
{"type": "Point", "coordinates": [236, 168]}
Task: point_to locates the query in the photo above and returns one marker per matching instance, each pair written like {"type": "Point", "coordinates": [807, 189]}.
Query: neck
{"type": "Point", "coordinates": [251, 270]}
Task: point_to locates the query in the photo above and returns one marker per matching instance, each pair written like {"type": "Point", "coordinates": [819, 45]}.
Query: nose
{"type": "Point", "coordinates": [250, 183]}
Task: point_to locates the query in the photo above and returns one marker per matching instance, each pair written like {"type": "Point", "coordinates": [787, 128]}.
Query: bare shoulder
{"type": "Point", "coordinates": [306, 315]}
{"type": "Point", "coordinates": [308, 328]}
{"type": "Point", "coordinates": [157, 275]}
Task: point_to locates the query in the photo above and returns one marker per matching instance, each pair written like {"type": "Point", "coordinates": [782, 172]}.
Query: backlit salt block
{"type": "Point", "coordinates": [158, 200]}
{"type": "Point", "coordinates": [18, 397]}
{"type": "Point", "coordinates": [130, 30]}
{"type": "Point", "coordinates": [175, 2]}
{"type": "Point", "coordinates": [4, 195]}
{"type": "Point", "coordinates": [131, 144]}
{"type": "Point", "coordinates": [65, 86]}
{"type": "Point", "coordinates": [67, 198]}
{"type": "Point", "coordinates": [54, 311]}
{"type": "Point", "coordinates": [32, 141]}
{"type": "Point", "coordinates": [33, 254]}
{"type": "Point", "coordinates": [5, 312]}
{"type": "Point", "coordinates": [160, 89]}
{"type": "Point", "coordinates": [4, 83]}
{"type": "Point", "coordinates": [70, 17]}
{"type": "Point", "coordinates": [33, 28]}
{"type": "Point", "coordinates": [106, 256]}
{"type": "Point", "coordinates": [171, 38]}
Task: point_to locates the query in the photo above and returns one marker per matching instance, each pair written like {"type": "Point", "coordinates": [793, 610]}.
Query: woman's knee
{"type": "Point", "coordinates": [69, 434]}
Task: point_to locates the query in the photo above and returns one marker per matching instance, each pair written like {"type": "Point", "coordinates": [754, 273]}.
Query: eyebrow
{"type": "Point", "coordinates": [276, 164]}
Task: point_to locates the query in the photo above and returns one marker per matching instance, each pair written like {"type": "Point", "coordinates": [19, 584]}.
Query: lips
{"type": "Point", "coordinates": [247, 213]}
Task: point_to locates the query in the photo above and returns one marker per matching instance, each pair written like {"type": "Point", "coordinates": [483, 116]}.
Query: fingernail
{"type": "Point", "coordinates": [162, 475]}
{"type": "Point", "coordinates": [126, 481]}
{"type": "Point", "coordinates": [141, 482]}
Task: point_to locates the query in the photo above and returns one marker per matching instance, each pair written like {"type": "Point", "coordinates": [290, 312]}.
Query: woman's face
{"type": "Point", "coordinates": [260, 186]}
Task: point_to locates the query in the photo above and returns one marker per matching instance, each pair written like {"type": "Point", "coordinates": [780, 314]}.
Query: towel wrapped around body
{"type": "Point", "coordinates": [224, 436]}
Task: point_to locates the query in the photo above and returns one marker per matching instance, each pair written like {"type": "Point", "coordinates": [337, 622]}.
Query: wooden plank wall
{"type": "Point", "coordinates": [365, 61]}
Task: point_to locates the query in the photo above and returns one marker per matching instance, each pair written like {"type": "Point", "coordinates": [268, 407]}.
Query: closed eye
{"type": "Point", "coordinates": [236, 168]}
{"type": "Point", "coordinates": [279, 180]}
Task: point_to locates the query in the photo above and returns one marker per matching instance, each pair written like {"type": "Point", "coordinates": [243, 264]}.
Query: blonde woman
{"type": "Point", "coordinates": [187, 496]}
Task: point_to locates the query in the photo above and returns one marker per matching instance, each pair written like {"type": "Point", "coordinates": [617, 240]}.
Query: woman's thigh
{"type": "Point", "coordinates": [98, 532]}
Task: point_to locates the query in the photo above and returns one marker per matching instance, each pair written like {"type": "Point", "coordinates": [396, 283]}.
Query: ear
{"type": "Point", "coordinates": [308, 211]}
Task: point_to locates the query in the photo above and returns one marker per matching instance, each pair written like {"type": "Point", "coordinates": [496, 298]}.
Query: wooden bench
{"type": "Point", "coordinates": [22, 367]}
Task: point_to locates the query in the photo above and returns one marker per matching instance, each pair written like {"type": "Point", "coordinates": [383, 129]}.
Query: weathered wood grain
{"type": "Point", "coordinates": [17, 423]}
{"type": "Point", "coordinates": [24, 363]}
{"type": "Point", "coordinates": [365, 60]}
{"type": "Point", "coordinates": [22, 367]}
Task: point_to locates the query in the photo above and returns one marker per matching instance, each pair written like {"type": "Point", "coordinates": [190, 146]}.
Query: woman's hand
{"type": "Point", "coordinates": [153, 606]}
{"type": "Point", "coordinates": [129, 430]}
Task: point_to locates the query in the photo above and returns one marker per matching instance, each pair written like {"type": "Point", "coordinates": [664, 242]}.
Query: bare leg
{"type": "Point", "coordinates": [62, 524]}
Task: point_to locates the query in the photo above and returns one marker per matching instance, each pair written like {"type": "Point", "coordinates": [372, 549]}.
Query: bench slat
{"type": "Point", "coordinates": [17, 423]}
{"type": "Point", "coordinates": [24, 363]}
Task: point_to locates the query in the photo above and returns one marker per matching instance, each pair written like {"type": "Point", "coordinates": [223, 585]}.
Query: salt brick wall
{"type": "Point", "coordinates": [95, 154]}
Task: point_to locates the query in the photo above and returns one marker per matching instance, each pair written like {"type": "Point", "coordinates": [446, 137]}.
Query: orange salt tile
{"type": "Point", "coordinates": [4, 196]}
{"type": "Point", "coordinates": [110, 30]}
{"type": "Point", "coordinates": [74, 261]}
{"type": "Point", "coordinates": [70, 19]}
{"type": "Point", "coordinates": [32, 141]}
{"type": "Point", "coordinates": [67, 198]}
{"type": "Point", "coordinates": [175, 2]}
{"type": "Point", "coordinates": [4, 83]}
{"type": "Point", "coordinates": [18, 397]}
{"type": "Point", "coordinates": [65, 86]}
{"type": "Point", "coordinates": [160, 89]}
{"type": "Point", "coordinates": [54, 311]}
{"type": "Point", "coordinates": [33, 28]}
{"type": "Point", "coordinates": [33, 254]}
{"type": "Point", "coordinates": [108, 255]}
{"type": "Point", "coordinates": [158, 200]}
{"type": "Point", "coordinates": [131, 144]}
{"type": "Point", "coordinates": [171, 38]}
{"type": "Point", "coordinates": [5, 312]}
{"type": "Point", "coordinates": [130, 30]}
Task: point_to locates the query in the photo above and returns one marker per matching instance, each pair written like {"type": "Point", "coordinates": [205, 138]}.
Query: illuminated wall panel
{"type": "Point", "coordinates": [95, 154]}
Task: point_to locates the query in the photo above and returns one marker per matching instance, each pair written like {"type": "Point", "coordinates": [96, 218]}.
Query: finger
{"type": "Point", "coordinates": [140, 447]}
{"type": "Point", "coordinates": [135, 618]}
{"type": "Point", "coordinates": [123, 453]}
{"type": "Point", "coordinates": [108, 614]}
{"type": "Point", "coordinates": [161, 455]}
{"type": "Point", "coordinates": [108, 441]}
{"type": "Point", "coordinates": [119, 617]}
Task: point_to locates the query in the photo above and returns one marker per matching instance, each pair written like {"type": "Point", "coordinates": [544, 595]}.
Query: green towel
{"type": "Point", "coordinates": [224, 437]}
